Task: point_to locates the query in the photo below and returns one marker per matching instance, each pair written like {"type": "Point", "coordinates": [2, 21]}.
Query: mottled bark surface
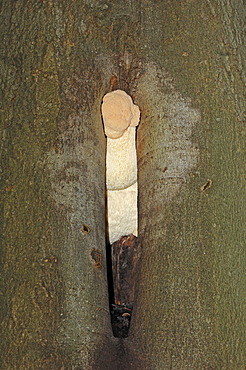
{"type": "Point", "coordinates": [182, 62]}
{"type": "Point", "coordinates": [191, 288]}
{"type": "Point", "coordinates": [55, 304]}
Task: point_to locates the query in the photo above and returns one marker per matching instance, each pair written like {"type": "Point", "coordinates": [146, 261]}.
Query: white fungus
{"type": "Point", "coordinates": [120, 117]}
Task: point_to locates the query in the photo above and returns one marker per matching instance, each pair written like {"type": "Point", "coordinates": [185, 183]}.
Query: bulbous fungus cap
{"type": "Point", "coordinates": [119, 112]}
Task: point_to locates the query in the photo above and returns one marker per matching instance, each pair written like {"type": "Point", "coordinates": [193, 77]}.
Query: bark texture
{"type": "Point", "coordinates": [55, 304]}
{"type": "Point", "coordinates": [190, 147]}
{"type": "Point", "coordinates": [183, 63]}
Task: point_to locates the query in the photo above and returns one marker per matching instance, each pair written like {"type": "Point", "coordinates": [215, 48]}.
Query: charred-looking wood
{"type": "Point", "coordinates": [125, 256]}
{"type": "Point", "coordinates": [124, 264]}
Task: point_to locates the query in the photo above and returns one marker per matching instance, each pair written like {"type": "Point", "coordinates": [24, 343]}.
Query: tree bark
{"type": "Point", "coordinates": [55, 307]}
{"type": "Point", "coordinates": [182, 62]}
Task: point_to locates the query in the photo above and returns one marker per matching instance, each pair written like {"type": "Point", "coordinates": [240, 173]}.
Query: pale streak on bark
{"type": "Point", "coordinates": [167, 160]}
{"type": "Point", "coordinates": [168, 119]}
{"type": "Point", "coordinates": [77, 173]}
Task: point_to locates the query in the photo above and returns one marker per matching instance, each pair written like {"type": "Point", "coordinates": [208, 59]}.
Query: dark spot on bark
{"type": "Point", "coordinates": [85, 229]}
{"type": "Point", "coordinates": [207, 185]}
{"type": "Point", "coordinates": [97, 258]}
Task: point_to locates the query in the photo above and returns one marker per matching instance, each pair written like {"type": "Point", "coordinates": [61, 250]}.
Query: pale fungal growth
{"type": "Point", "coordinates": [121, 161]}
{"type": "Point", "coordinates": [118, 113]}
{"type": "Point", "coordinates": [120, 117]}
{"type": "Point", "coordinates": [122, 212]}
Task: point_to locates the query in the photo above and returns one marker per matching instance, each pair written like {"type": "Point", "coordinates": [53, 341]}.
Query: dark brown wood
{"type": "Point", "coordinates": [125, 258]}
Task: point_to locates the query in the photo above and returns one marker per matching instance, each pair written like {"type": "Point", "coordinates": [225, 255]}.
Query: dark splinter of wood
{"type": "Point", "coordinates": [121, 279]}
{"type": "Point", "coordinates": [124, 265]}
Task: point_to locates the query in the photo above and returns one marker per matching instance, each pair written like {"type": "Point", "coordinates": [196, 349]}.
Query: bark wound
{"type": "Point", "coordinates": [207, 185]}
{"type": "Point", "coordinates": [85, 229]}
{"type": "Point", "coordinates": [120, 118]}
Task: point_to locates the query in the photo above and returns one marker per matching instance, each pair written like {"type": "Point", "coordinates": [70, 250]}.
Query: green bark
{"type": "Point", "coordinates": [191, 287]}
{"type": "Point", "coordinates": [183, 64]}
{"type": "Point", "coordinates": [55, 305]}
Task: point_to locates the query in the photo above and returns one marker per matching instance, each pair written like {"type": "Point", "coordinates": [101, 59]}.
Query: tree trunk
{"type": "Point", "coordinates": [182, 62]}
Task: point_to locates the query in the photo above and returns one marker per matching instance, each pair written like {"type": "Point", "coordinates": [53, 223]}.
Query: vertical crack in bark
{"type": "Point", "coordinates": [121, 203]}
